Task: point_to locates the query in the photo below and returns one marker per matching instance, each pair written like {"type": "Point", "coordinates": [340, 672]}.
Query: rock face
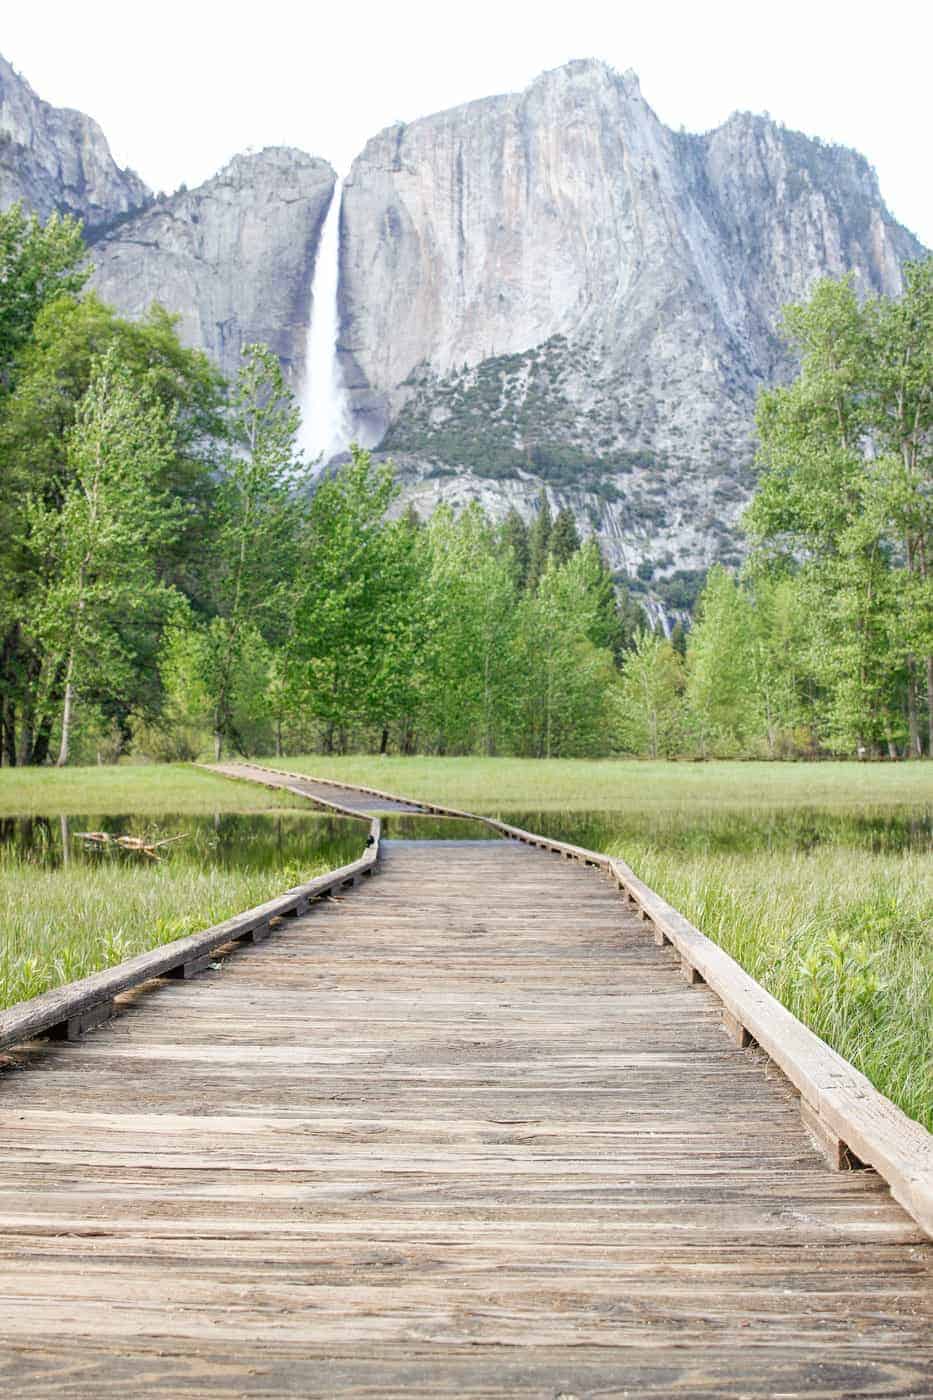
{"type": "Point", "coordinates": [54, 159]}
{"type": "Point", "coordinates": [554, 286]}
{"type": "Point", "coordinates": [546, 288]}
{"type": "Point", "coordinates": [234, 257]}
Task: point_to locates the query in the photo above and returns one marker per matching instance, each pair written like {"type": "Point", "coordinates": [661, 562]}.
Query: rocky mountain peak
{"type": "Point", "coordinates": [56, 159]}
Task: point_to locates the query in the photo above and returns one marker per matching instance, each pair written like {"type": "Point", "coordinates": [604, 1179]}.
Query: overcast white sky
{"type": "Point", "coordinates": [181, 87]}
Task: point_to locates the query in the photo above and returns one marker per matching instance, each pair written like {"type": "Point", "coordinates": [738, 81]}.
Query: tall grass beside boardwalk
{"type": "Point", "coordinates": [841, 937]}
{"type": "Point", "coordinates": [61, 924]}
{"type": "Point", "coordinates": [179, 788]}
{"type": "Point", "coordinates": [492, 785]}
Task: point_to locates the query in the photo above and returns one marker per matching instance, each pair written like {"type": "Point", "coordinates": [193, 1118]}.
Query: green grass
{"type": "Point", "coordinates": [490, 785]}
{"type": "Point", "coordinates": [65, 922]}
{"type": "Point", "coordinates": [61, 924]}
{"type": "Point", "coordinates": [840, 932]}
{"type": "Point", "coordinates": [841, 936]}
{"type": "Point", "coordinates": [153, 787]}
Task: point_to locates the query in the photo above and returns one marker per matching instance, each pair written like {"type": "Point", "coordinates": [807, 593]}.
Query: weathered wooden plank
{"type": "Point", "coordinates": [723, 1365]}
{"type": "Point", "coordinates": [463, 1131]}
{"type": "Point", "coordinates": [872, 1129]}
{"type": "Point", "coordinates": [75, 1026]}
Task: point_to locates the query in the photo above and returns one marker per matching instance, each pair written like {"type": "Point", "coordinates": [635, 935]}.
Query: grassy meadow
{"type": "Point", "coordinates": [841, 936]}
{"type": "Point", "coordinates": [59, 925]}
{"type": "Point", "coordinates": [146, 787]}
{"type": "Point", "coordinates": [493, 785]}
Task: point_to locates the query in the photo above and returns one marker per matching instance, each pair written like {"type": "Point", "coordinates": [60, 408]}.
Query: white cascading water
{"type": "Point", "coordinates": [326, 420]}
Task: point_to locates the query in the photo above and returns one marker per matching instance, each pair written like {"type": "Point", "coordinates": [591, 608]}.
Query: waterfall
{"type": "Point", "coordinates": [326, 419]}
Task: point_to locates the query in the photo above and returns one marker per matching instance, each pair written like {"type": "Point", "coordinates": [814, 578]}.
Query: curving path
{"type": "Point", "coordinates": [463, 1131]}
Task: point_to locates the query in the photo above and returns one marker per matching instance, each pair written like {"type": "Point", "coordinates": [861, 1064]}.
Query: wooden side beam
{"type": "Point", "coordinates": [73, 1027]}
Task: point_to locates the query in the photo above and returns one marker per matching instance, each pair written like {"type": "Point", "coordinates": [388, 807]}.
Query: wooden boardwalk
{"type": "Point", "coordinates": [327, 794]}
{"type": "Point", "coordinates": [464, 1130]}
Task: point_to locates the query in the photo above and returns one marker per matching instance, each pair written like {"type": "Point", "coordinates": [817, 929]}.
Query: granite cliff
{"type": "Point", "coordinates": [548, 287]}
{"type": "Point", "coordinates": [554, 286]}
{"type": "Point", "coordinates": [233, 257]}
{"type": "Point", "coordinates": [54, 159]}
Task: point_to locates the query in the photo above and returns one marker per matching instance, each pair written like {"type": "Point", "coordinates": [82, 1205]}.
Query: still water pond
{"type": "Point", "coordinates": [252, 843]}
{"type": "Point", "coordinates": [712, 831]}
{"type": "Point", "coordinates": [257, 842]}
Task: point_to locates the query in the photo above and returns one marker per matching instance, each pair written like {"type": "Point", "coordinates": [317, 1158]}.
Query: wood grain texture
{"type": "Point", "coordinates": [464, 1130]}
{"type": "Point", "coordinates": [849, 1119]}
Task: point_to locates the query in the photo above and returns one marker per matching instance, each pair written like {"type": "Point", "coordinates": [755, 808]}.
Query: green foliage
{"type": "Point", "coordinates": [515, 540]}
{"type": "Point", "coordinates": [511, 414]}
{"type": "Point", "coordinates": [681, 589]}
{"type": "Point", "coordinates": [258, 521]}
{"type": "Point", "coordinates": [650, 702]}
{"type": "Point", "coordinates": [844, 506]}
{"type": "Point", "coordinates": [565, 540]}
{"type": "Point", "coordinates": [70, 919]}
{"type": "Point", "coordinates": [37, 423]}
{"type": "Point", "coordinates": [721, 693]}
{"type": "Point", "coordinates": [171, 571]}
{"type": "Point", "coordinates": [356, 612]}
{"type": "Point", "coordinates": [96, 550]}
{"type": "Point", "coordinates": [565, 678]}
{"type": "Point", "coordinates": [539, 540]}
{"type": "Point", "coordinates": [464, 701]}
{"type": "Point", "coordinates": [856, 968]}
{"type": "Point", "coordinates": [37, 264]}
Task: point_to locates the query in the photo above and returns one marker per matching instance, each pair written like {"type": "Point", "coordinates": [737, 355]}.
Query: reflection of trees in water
{"type": "Point", "coordinates": [257, 842]}
{"type": "Point", "coordinates": [712, 832]}
{"type": "Point", "coordinates": [31, 839]}
{"type": "Point", "coordinates": [228, 840]}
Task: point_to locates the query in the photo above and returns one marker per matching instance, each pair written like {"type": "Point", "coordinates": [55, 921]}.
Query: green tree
{"type": "Point", "coordinates": [900, 410]}
{"type": "Point", "coordinates": [352, 654]}
{"type": "Point", "coordinates": [721, 668]}
{"type": "Point", "coordinates": [539, 540]}
{"type": "Point", "coordinates": [97, 550]}
{"type": "Point", "coordinates": [260, 515]}
{"type": "Point", "coordinates": [846, 515]}
{"type": "Point", "coordinates": [468, 663]}
{"type": "Point", "coordinates": [54, 371]}
{"type": "Point", "coordinates": [565, 538]}
{"type": "Point", "coordinates": [650, 703]}
{"type": "Point", "coordinates": [514, 537]}
{"type": "Point", "coordinates": [564, 680]}
{"type": "Point", "coordinates": [37, 264]}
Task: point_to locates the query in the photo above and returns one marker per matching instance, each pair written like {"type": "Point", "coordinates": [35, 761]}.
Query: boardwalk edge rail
{"type": "Point", "coordinates": [66, 1012]}
{"type": "Point", "coordinates": [852, 1122]}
